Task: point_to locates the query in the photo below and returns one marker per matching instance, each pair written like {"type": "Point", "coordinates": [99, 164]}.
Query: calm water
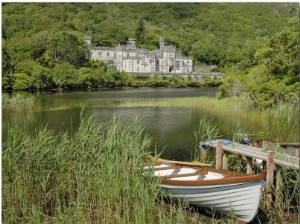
{"type": "Point", "coordinates": [172, 128]}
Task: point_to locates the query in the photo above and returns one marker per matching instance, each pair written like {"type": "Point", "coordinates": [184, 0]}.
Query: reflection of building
{"type": "Point", "coordinates": [129, 58]}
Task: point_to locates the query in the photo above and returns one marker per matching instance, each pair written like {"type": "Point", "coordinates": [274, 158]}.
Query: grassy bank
{"type": "Point", "coordinates": [91, 176]}
{"type": "Point", "coordinates": [278, 123]}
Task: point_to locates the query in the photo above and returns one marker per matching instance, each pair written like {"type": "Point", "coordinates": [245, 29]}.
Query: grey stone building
{"type": "Point", "coordinates": [130, 59]}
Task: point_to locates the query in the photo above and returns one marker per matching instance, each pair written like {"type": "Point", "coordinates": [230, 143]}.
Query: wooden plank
{"type": "Point", "coordinates": [293, 165]}
{"type": "Point", "coordinates": [253, 152]}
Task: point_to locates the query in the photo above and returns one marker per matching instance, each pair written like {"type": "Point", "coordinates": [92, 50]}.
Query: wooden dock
{"type": "Point", "coordinates": [223, 146]}
{"type": "Point", "coordinates": [266, 154]}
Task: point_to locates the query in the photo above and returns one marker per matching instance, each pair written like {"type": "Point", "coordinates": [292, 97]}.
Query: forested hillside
{"type": "Point", "coordinates": [39, 38]}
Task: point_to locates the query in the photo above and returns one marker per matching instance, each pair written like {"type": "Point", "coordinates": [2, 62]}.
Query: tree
{"type": "Point", "coordinates": [272, 74]}
{"type": "Point", "coordinates": [65, 47]}
{"type": "Point", "coordinates": [21, 81]}
{"type": "Point", "coordinates": [25, 66]}
{"type": "Point", "coordinates": [42, 77]}
{"type": "Point", "coordinates": [65, 75]}
{"type": "Point", "coordinates": [140, 32]}
{"type": "Point", "coordinates": [85, 78]}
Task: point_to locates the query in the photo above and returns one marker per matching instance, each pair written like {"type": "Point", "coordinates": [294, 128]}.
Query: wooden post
{"type": "Point", "coordinates": [224, 161]}
{"type": "Point", "coordinates": [297, 152]}
{"type": "Point", "coordinates": [278, 198]}
{"type": "Point", "coordinates": [219, 154]}
{"type": "Point", "coordinates": [249, 161]}
{"type": "Point", "coordinates": [203, 153]}
{"type": "Point", "coordinates": [270, 177]}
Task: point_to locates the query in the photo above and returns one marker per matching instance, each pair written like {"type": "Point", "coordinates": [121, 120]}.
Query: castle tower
{"type": "Point", "coordinates": [161, 43]}
{"type": "Point", "coordinates": [131, 43]}
{"type": "Point", "coordinates": [88, 40]}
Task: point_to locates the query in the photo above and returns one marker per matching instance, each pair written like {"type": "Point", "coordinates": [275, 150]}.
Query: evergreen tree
{"type": "Point", "coordinates": [140, 32]}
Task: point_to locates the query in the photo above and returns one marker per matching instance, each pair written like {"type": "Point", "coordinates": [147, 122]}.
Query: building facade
{"type": "Point", "coordinates": [130, 59]}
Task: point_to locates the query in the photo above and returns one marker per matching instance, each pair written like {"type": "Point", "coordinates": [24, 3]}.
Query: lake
{"type": "Point", "coordinates": [172, 128]}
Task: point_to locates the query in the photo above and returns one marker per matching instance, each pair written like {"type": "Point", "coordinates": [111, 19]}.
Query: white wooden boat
{"type": "Point", "coordinates": [230, 193]}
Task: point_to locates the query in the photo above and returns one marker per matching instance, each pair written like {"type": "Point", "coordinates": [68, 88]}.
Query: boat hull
{"type": "Point", "coordinates": [234, 194]}
{"type": "Point", "coordinates": [238, 200]}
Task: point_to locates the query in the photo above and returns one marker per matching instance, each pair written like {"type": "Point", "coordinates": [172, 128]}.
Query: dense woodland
{"type": "Point", "coordinates": [255, 45]}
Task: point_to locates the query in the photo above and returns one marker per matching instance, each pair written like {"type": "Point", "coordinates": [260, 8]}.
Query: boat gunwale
{"type": "Point", "coordinates": [230, 177]}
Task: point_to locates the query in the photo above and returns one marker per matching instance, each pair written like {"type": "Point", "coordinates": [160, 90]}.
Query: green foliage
{"type": "Point", "coordinates": [288, 193]}
{"type": "Point", "coordinates": [93, 175]}
{"type": "Point", "coordinates": [65, 75]}
{"type": "Point", "coordinates": [42, 77]}
{"type": "Point", "coordinates": [246, 40]}
{"type": "Point", "coordinates": [210, 32]}
{"type": "Point", "coordinates": [282, 121]}
{"type": "Point", "coordinates": [192, 83]}
{"type": "Point", "coordinates": [176, 81]}
{"type": "Point", "coordinates": [272, 75]}
{"type": "Point", "coordinates": [21, 81]}
{"type": "Point", "coordinates": [140, 32]}
{"type": "Point", "coordinates": [65, 47]}
{"type": "Point", "coordinates": [16, 104]}
{"type": "Point", "coordinates": [155, 81]}
{"type": "Point", "coordinates": [85, 77]}
{"type": "Point", "coordinates": [207, 130]}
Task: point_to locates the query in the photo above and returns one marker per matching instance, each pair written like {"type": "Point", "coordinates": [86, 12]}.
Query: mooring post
{"type": "Point", "coordinates": [219, 154]}
{"type": "Point", "coordinates": [203, 153]}
{"type": "Point", "coordinates": [249, 161]}
{"type": "Point", "coordinates": [278, 197]}
{"type": "Point", "coordinates": [224, 160]}
{"type": "Point", "coordinates": [270, 177]}
{"type": "Point", "coordinates": [297, 152]}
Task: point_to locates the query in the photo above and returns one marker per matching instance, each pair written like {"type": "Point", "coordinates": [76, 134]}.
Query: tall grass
{"type": "Point", "coordinates": [278, 123]}
{"type": "Point", "coordinates": [207, 131]}
{"type": "Point", "coordinates": [286, 193]}
{"type": "Point", "coordinates": [92, 176]}
{"type": "Point", "coordinates": [16, 103]}
{"type": "Point", "coordinates": [282, 122]}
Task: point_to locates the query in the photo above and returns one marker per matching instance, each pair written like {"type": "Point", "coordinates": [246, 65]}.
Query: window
{"type": "Point", "coordinates": [108, 53]}
{"type": "Point", "coordinates": [99, 53]}
{"type": "Point", "coordinates": [177, 64]}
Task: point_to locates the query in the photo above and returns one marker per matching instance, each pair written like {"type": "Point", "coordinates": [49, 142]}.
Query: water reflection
{"type": "Point", "coordinates": [172, 128]}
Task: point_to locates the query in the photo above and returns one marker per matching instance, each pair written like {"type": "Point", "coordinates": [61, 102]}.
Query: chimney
{"type": "Point", "coordinates": [161, 43]}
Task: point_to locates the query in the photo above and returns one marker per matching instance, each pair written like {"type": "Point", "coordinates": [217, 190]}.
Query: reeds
{"type": "Point", "coordinates": [94, 175]}
{"type": "Point", "coordinates": [16, 103]}
{"type": "Point", "coordinates": [278, 123]}
{"type": "Point", "coordinates": [282, 122]}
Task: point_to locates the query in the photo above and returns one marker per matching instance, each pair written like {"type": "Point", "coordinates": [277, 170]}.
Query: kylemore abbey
{"type": "Point", "coordinates": [130, 59]}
